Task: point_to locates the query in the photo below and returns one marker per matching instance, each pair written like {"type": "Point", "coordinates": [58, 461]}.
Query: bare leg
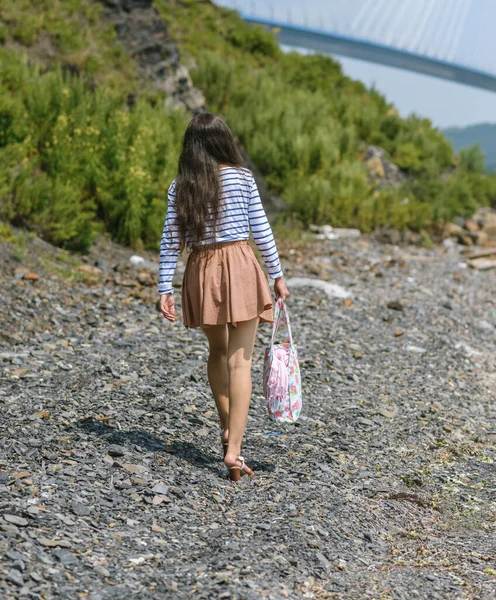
{"type": "Point", "coordinates": [218, 375]}
{"type": "Point", "coordinates": [239, 359]}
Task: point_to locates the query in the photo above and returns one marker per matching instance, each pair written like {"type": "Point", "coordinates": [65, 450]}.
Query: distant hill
{"type": "Point", "coordinates": [483, 134]}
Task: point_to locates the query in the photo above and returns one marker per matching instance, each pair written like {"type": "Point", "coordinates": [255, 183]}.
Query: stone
{"type": "Point", "coordinates": [482, 264]}
{"type": "Point", "coordinates": [453, 230]}
{"type": "Point", "coordinates": [20, 272]}
{"type": "Point", "coordinates": [160, 488]}
{"type": "Point", "coordinates": [89, 270]}
{"type": "Point", "coordinates": [322, 559]}
{"type": "Point", "coordinates": [80, 509]}
{"type": "Point", "coordinates": [53, 543]}
{"type": "Point", "coordinates": [146, 278]}
{"type": "Point", "coordinates": [415, 349]}
{"type": "Point", "coordinates": [471, 225]}
{"type": "Point", "coordinates": [20, 474]}
{"type": "Point", "coordinates": [331, 289]}
{"type": "Point", "coordinates": [15, 520]}
{"type": "Point", "coordinates": [389, 414]}
{"type": "Point", "coordinates": [116, 450]}
{"type": "Point", "coordinates": [375, 166]}
{"type": "Point", "coordinates": [14, 576]}
{"type": "Point", "coordinates": [30, 276]}
{"type": "Point", "coordinates": [136, 260]}
{"type": "Point", "coordinates": [65, 557]}
{"type": "Point", "coordinates": [382, 170]}
{"type": "Point", "coordinates": [395, 305]}
{"type": "Point", "coordinates": [13, 555]}
{"type": "Point", "coordinates": [489, 224]}
{"type": "Point", "coordinates": [130, 468]}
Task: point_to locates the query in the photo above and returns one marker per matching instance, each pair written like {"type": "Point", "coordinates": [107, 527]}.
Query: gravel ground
{"type": "Point", "coordinates": [111, 476]}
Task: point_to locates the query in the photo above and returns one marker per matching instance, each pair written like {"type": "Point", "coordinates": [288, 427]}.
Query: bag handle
{"type": "Point", "coordinates": [281, 308]}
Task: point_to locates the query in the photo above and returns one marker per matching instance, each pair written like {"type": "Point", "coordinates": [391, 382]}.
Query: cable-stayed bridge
{"type": "Point", "coordinates": [448, 39]}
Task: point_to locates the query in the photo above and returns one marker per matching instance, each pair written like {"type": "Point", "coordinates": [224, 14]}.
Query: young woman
{"type": "Point", "coordinates": [212, 205]}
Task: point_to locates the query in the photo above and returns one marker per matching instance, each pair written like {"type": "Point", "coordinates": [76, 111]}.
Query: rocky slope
{"type": "Point", "coordinates": [143, 35]}
{"type": "Point", "coordinates": [111, 479]}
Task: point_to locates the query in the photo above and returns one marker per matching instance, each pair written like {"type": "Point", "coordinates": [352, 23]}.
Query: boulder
{"type": "Point", "coordinates": [479, 229]}
{"type": "Point", "coordinates": [143, 34]}
{"type": "Point", "coordinates": [381, 169]}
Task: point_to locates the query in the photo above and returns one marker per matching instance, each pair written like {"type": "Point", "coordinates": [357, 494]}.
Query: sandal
{"type": "Point", "coordinates": [225, 443]}
{"type": "Point", "coordinates": [236, 471]}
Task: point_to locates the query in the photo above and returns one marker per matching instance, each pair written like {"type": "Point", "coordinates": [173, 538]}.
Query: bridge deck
{"type": "Point", "coordinates": [331, 43]}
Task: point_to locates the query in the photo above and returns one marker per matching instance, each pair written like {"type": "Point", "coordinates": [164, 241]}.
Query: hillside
{"type": "Point", "coordinates": [483, 134]}
{"type": "Point", "coordinates": [309, 127]}
{"type": "Point", "coordinates": [95, 97]}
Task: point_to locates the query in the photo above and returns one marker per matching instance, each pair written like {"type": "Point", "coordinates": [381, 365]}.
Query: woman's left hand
{"type": "Point", "coordinates": [167, 307]}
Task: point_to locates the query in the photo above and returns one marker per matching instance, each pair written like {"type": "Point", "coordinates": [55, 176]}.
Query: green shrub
{"type": "Point", "coordinates": [74, 161]}
{"type": "Point", "coordinates": [255, 40]}
{"type": "Point", "coordinates": [75, 33]}
{"type": "Point", "coordinates": [407, 157]}
{"type": "Point", "coordinates": [472, 159]}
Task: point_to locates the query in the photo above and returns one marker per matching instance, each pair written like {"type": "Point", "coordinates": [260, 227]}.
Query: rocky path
{"type": "Point", "coordinates": [111, 480]}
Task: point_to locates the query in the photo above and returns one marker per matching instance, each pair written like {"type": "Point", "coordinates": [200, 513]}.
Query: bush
{"type": "Point", "coordinates": [76, 161]}
{"type": "Point", "coordinates": [472, 159]}
{"type": "Point", "coordinates": [75, 33]}
{"type": "Point", "coordinates": [255, 40]}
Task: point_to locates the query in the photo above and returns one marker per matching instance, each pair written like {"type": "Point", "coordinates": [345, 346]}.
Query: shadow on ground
{"type": "Point", "coordinates": [139, 437]}
{"type": "Point", "coordinates": [147, 441]}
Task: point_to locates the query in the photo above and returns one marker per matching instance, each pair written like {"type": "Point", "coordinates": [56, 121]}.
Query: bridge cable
{"type": "Point", "coordinates": [452, 50]}
{"type": "Point", "coordinates": [375, 18]}
{"type": "Point", "coordinates": [446, 18]}
{"type": "Point", "coordinates": [420, 30]}
{"type": "Point", "coordinates": [412, 19]}
{"type": "Point", "coordinates": [383, 27]}
{"type": "Point", "coordinates": [454, 27]}
{"type": "Point", "coordinates": [395, 23]}
{"type": "Point", "coordinates": [360, 15]}
{"type": "Point", "coordinates": [443, 24]}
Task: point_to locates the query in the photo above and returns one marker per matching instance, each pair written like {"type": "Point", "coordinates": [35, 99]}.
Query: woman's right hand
{"type": "Point", "coordinates": [167, 307]}
{"type": "Point", "coordinates": [281, 289]}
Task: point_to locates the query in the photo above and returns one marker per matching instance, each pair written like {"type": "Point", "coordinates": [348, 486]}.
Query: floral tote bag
{"type": "Point", "coordinates": [281, 376]}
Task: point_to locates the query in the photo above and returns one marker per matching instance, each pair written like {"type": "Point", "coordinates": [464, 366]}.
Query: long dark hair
{"type": "Point", "coordinates": [208, 143]}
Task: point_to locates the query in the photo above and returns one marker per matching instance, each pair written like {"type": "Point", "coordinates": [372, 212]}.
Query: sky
{"type": "Point", "coordinates": [458, 30]}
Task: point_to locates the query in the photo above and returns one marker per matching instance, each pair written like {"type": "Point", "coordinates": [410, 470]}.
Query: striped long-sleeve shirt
{"type": "Point", "coordinates": [240, 210]}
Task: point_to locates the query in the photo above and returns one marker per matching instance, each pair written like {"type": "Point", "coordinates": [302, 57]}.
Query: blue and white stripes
{"type": "Point", "coordinates": [241, 209]}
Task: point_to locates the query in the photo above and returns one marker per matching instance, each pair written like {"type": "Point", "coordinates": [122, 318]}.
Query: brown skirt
{"type": "Point", "coordinates": [224, 283]}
